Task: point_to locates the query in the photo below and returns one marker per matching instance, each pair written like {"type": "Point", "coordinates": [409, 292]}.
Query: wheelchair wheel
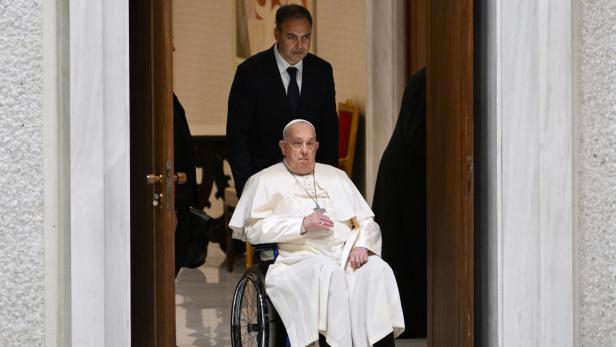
{"type": "Point", "coordinates": [250, 321]}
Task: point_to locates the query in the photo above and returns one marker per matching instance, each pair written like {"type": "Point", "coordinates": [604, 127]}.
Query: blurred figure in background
{"type": "Point", "coordinates": [186, 193]}
{"type": "Point", "coordinates": [399, 204]}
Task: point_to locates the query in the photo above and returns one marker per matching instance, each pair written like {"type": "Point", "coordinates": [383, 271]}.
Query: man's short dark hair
{"type": "Point", "coordinates": [292, 11]}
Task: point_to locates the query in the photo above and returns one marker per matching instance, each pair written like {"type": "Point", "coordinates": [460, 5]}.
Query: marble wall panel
{"type": "Point", "coordinates": [87, 181]}
{"type": "Point", "coordinates": [116, 172]}
{"type": "Point", "coordinates": [99, 146]}
{"type": "Point", "coordinates": [526, 232]}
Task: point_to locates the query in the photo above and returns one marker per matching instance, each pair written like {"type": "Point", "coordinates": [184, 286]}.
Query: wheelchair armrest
{"type": "Point", "coordinates": [265, 253]}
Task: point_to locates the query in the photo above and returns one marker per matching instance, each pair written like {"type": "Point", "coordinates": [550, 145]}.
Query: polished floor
{"type": "Point", "coordinates": [203, 299]}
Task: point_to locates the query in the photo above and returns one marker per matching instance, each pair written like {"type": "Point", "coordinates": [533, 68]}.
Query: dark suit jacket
{"type": "Point", "coordinates": [258, 112]}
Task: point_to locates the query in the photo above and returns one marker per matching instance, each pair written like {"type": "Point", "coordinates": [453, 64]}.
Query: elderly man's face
{"type": "Point", "coordinates": [293, 39]}
{"type": "Point", "coordinates": [300, 148]}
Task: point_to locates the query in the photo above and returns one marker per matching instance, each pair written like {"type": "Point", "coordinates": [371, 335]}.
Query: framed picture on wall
{"type": "Point", "coordinates": [255, 21]}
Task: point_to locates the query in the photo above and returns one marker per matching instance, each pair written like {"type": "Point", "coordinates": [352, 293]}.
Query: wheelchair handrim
{"type": "Point", "coordinates": [261, 326]}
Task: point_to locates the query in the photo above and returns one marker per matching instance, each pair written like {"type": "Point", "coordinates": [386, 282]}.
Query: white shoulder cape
{"type": "Point", "coordinates": [266, 188]}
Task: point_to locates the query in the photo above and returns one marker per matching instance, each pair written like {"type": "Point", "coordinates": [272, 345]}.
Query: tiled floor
{"type": "Point", "coordinates": [203, 303]}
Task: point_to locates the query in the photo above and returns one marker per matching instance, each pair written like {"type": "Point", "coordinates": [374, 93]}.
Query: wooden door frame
{"type": "Point", "coordinates": [450, 174]}
{"type": "Point", "coordinates": [152, 228]}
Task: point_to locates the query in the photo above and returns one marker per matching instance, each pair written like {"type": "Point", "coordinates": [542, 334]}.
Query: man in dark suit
{"type": "Point", "coordinates": [274, 87]}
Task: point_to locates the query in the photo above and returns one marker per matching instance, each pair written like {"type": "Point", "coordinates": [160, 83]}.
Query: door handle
{"type": "Point", "coordinates": [151, 179]}
{"type": "Point", "coordinates": [164, 198]}
{"type": "Point", "coordinates": [180, 178]}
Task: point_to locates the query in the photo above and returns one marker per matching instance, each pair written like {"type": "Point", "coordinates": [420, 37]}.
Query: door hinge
{"type": "Point", "coordinates": [469, 327]}
{"type": "Point", "coordinates": [468, 180]}
{"type": "Point", "coordinates": [169, 184]}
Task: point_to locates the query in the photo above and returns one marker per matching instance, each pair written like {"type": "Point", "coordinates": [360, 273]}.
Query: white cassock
{"type": "Point", "coordinates": [311, 284]}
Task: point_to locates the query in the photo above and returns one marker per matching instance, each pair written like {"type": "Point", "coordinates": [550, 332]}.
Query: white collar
{"type": "Point", "coordinates": [283, 64]}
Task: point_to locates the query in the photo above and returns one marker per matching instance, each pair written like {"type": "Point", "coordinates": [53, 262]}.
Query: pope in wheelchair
{"type": "Point", "coordinates": [328, 282]}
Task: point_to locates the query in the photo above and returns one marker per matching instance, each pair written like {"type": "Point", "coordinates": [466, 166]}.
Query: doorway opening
{"type": "Point", "coordinates": [449, 52]}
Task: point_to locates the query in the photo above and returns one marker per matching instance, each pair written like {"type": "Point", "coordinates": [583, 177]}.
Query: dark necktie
{"type": "Point", "coordinates": [292, 92]}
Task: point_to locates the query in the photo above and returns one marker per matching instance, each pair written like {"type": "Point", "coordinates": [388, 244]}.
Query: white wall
{"type": "Point", "coordinates": [595, 133]}
{"type": "Point", "coordinates": [22, 238]}
{"type": "Point", "coordinates": [386, 79]}
{"type": "Point", "coordinates": [341, 40]}
{"type": "Point", "coordinates": [203, 63]}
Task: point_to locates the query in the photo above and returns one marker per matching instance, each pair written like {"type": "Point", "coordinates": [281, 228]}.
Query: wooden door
{"type": "Point", "coordinates": [450, 172]}
{"type": "Point", "coordinates": [152, 217]}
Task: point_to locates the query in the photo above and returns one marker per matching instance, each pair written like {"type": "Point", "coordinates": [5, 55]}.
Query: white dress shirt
{"type": "Point", "coordinates": [282, 67]}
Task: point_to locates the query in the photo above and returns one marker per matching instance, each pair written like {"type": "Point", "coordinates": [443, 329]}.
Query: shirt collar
{"type": "Point", "coordinates": [283, 64]}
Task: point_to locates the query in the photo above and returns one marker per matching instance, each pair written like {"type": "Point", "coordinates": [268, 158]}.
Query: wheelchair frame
{"type": "Point", "coordinates": [254, 321]}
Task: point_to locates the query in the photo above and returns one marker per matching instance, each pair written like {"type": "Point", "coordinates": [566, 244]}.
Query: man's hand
{"type": "Point", "coordinates": [317, 221]}
{"type": "Point", "coordinates": [358, 257]}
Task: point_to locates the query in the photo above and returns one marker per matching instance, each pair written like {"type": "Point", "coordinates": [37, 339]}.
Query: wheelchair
{"type": "Point", "coordinates": [254, 321]}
